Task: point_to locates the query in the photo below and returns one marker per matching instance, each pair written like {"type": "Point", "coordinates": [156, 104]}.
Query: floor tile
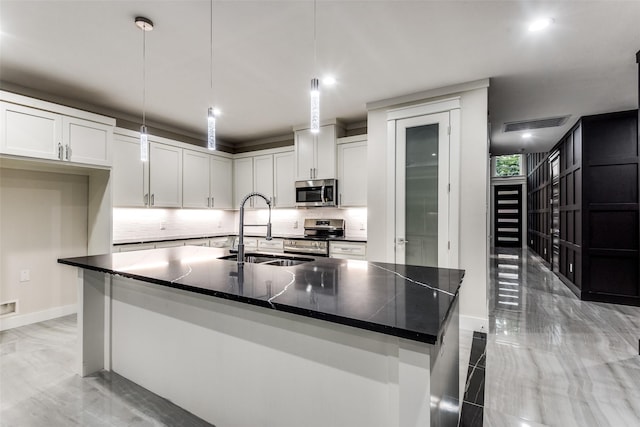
{"type": "Point", "coordinates": [553, 359]}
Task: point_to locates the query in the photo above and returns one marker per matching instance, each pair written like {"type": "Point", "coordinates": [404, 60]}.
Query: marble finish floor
{"type": "Point", "coordinates": [39, 387]}
{"type": "Point", "coordinates": [553, 360]}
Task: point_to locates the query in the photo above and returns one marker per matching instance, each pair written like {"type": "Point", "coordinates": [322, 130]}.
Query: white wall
{"type": "Point", "coordinates": [43, 217]}
{"type": "Point", "coordinates": [474, 191]}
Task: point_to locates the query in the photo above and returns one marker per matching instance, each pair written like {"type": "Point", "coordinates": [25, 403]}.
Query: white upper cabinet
{"type": "Point", "coordinates": [242, 181]}
{"type": "Point", "coordinates": [165, 175]}
{"type": "Point", "coordinates": [284, 194]}
{"type": "Point", "coordinates": [39, 129]}
{"type": "Point", "coordinates": [129, 173]}
{"type": "Point", "coordinates": [30, 132]}
{"type": "Point", "coordinates": [263, 178]}
{"type": "Point", "coordinates": [206, 181]}
{"type": "Point", "coordinates": [87, 142]}
{"type": "Point", "coordinates": [316, 153]}
{"type": "Point", "coordinates": [352, 171]}
{"type": "Point", "coordinates": [196, 180]}
{"type": "Point", "coordinates": [221, 183]}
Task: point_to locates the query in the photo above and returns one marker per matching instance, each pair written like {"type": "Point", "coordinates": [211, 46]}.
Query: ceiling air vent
{"type": "Point", "coordinates": [549, 122]}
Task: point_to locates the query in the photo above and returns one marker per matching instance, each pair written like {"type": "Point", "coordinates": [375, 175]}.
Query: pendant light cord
{"type": "Point", "coordinates": [211, 50]}
{"type": "Point", "coordinates": [144, 75]}
{"type": "Point", "coordinates": [315, 43]}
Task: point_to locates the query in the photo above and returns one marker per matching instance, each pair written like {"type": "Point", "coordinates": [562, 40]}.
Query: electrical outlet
{"type": "Point", "coordinates": [295, 224]}
{"type": "Point", "coordinates": [25, 276]}
{"type": "Point", "coordinates": [163, 225]}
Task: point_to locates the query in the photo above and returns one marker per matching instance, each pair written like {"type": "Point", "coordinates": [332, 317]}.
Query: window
{"type": "Point", "coordinates": [509, 165]}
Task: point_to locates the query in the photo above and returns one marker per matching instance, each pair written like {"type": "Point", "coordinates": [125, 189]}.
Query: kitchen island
{"type": "Point", "coordinates": [323, 343]}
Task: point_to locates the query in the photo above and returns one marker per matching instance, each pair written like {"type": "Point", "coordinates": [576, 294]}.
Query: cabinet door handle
{"type": "Point", "coordinates": [310, 173]}
{"type": "Point", "coordinates": [340, 199]}
{"type": "Point", "coordinates": [60, 150]}
{"type": "Point", "coordinates": [153, 199]}
{"type": "Point", "coordinates": [68, 152]}
{"type": "Point", "coordinates": [315, 173]}
{"type": "Point", "coordinates": [146, 199]}
{"type": "Point", "coordinates": [273, 201]}
{"type": "Point", "coordinates": [213, 201]}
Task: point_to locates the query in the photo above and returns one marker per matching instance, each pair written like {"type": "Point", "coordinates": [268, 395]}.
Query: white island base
{"type": "Point", "coordinates": [235, 364]}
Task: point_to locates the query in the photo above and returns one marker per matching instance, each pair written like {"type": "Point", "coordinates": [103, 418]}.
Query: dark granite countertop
{"type": "Point", "coordinates": [406, 301]}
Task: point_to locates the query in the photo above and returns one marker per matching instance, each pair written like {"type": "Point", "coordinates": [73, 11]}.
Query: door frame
{"type": "Point", "coordinates": [453, 106]}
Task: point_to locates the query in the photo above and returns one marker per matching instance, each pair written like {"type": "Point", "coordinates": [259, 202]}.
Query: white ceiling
{"type": "Point", "coordinates": [90, 53]}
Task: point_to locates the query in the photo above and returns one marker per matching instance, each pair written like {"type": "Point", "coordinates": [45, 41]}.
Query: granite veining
{"type": "Point", "coordinates": [406, 301]}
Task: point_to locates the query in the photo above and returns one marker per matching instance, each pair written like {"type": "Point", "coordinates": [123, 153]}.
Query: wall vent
{"type": "Point", "coordinates": [549, 122]}
{"type": "Point", "coordinates": [8, 308]}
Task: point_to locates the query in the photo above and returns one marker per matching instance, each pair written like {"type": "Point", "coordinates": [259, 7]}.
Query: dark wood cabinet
{"type": "Point", "coordinates": [598, 185]}
{"type": "Point", "coordinates": [538, 204]}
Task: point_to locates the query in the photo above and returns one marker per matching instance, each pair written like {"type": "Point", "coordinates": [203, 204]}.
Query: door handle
{"type": "Point", "coordinates": [68, 152]}
{"type": "Point", "coordinates": [153, 199]}
{"type": "Point", "coordinates": [146, 199]}
{"type": "Point", "coordinates": [310, 173]}
{"type": "Point", "coordinates": [60, 151]}
{"type": "Point", "coordinates": [400, 241]}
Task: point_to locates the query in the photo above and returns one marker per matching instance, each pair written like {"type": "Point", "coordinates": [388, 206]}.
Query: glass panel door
{"type": "Point", "coordinates": [422, 179]}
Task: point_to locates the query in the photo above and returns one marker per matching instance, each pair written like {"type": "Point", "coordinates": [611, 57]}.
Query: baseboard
{"type": "Point", "coordinates": [18, 320]}
{"type": "Point", "coordinates": [471, 323]}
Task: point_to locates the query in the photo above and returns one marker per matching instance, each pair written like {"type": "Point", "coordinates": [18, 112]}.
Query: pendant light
{"type": "Point", "coordinates": [315, 84]}
{"type": "Point", "coordinates": [212, 112]}
{"type": "Point", "coordinates": [145, 25]}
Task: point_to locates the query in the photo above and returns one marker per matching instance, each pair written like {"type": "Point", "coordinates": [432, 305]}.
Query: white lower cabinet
{"type": "Point", "coordinates": [169, 244]}
{"type": "Point", "coordinates": [133, 247]}
{"type": "Point", "coordinates": [221, 242]}
{"type": "Point", "coordinates": [348, 250]}
{"type": "Point", "coordinates": [274, 245]}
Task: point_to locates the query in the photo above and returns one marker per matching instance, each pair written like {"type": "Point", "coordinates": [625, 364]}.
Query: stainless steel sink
{"type": "Point", "coordinates": [267, 259]}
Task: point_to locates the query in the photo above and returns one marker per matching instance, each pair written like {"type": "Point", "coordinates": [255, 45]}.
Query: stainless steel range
{"type": "Point", "coordinates": [317, 233]}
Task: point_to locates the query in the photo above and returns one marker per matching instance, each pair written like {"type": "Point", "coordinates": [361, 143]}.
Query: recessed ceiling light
{"type": "Point", "coordinates": [526, 135]}
{"type": "Point", "coordinates": [329, 80]}
{"type": "Point", "coordinates": [540, 24]}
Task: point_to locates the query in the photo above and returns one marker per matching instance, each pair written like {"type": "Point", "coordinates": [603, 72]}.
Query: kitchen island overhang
{"type": "Point", "coordinates": [197, 330]}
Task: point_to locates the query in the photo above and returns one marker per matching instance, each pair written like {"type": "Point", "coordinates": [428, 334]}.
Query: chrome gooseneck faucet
{"type": "Point", "coordinates": [241, 227]}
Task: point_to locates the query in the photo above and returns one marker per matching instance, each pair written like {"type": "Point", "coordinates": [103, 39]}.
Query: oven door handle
{"type": "Point", "coordinates": [322, 196]}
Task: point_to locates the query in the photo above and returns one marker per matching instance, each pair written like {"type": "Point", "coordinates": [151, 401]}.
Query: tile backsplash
{"type": "Point", "coordinates": [156, 224]}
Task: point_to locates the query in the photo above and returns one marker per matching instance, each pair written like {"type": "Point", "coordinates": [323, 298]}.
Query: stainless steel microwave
{"type": "Point", "coordinates": [317, 192]}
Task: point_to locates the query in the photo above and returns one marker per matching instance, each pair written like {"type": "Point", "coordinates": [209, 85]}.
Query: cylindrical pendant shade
{"type": "Point", "coordinates": [315, 106]}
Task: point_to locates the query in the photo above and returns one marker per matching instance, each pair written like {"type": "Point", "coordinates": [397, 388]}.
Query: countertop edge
{"type": "Point", "coordinates": [356, 323]}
